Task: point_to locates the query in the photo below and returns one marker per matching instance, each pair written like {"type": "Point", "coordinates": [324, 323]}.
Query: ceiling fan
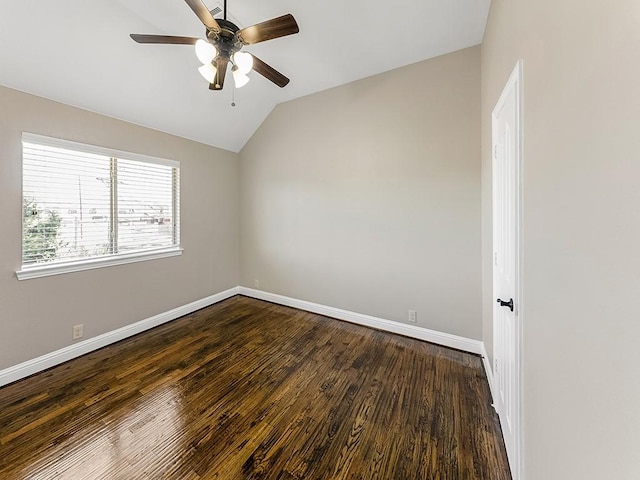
{"type": "Point", "coordinates": [223, 43]}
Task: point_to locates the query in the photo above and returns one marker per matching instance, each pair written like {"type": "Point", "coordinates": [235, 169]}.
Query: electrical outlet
{"type": "Point", "coordinates": [413, 316]}
{"type": "Point", "coordinates": [256, 283]}
{"type": "Point", "coordinates": [78, 331]}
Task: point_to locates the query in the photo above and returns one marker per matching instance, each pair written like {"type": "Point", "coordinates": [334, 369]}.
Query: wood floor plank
{"type": "Point", "coordinates": [246, 389]}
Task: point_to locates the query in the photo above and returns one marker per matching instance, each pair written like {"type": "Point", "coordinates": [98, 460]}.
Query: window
{"type": "Point", "coordinates": [88, 207]}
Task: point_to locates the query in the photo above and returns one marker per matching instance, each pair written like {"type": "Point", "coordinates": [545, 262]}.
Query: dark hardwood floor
{"type": "Point", "coordinates": [250, 390]}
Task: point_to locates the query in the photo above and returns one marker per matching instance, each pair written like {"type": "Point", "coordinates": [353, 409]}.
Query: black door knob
{"type": "Point", "coordinates": [506, 304]}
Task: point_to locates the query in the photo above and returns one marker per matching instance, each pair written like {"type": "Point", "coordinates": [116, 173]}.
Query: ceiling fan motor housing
{"type": "Point", "coordinates": [226, 41]}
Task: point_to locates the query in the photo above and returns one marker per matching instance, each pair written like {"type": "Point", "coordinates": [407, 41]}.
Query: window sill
{"type": "Point", "coordinates": [46, 270]}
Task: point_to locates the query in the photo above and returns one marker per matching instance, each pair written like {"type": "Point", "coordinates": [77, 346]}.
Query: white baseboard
{"type": "Point", "coordinates": [488, 370]}
{"type": "Point", "coordinates": [25, 369]}
{"type": "Point", "coordinates": [65, 354]}
{"type": "Point", "coordinates": [440, 338]}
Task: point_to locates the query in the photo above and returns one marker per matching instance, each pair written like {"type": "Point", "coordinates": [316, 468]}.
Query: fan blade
{"type": "Point", "coordinates": [269, 72]}
{"type": "Point", "coordinates": [274, 28]}
{"type": "Point", "coordinates": [221, 72]}
{"type": "Point", "coordinates": [204, 15]}
{"type": "Point", "coordinates": [166, 39]}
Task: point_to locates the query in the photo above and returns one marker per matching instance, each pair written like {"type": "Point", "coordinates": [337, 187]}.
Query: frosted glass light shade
{"type": "Point", "coordinates": [244, 61]}
{"type": "Point", "coordinates": [208, 71]}
{"type": "Point", "coordinates": [239, 78]}
{"type": "Point", "coordinates": [205, 51]}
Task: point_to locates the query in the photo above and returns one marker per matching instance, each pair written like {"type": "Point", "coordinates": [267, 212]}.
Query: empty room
{"type": "Point", "coordinates": [320, 240]}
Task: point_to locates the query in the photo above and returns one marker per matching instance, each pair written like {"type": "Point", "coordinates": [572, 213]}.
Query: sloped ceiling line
{"type": "Point", "coordinates": [82, 56]}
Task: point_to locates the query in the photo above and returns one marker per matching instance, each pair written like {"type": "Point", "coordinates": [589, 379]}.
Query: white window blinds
{"type": "Point", "coordinates": [82, 202]}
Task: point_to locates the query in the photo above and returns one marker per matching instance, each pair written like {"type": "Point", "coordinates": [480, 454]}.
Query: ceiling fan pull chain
{"type": "Point", "coordinates": [233, 96]}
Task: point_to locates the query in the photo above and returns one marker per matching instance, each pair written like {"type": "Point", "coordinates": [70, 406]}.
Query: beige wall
{"type": "Point", "coordinates": [36, 316]}
{"type": "Point", "coordinates": [581, 228]}
{"type": "Point", "coordinates": [366, 197]}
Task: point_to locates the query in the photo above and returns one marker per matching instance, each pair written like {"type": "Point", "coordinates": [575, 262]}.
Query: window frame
{"type": "Point", "coordinates": [57, 268]}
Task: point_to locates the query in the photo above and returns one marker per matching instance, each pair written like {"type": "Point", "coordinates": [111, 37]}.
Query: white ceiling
{"type": "Point", "coordinates": [79, 52]}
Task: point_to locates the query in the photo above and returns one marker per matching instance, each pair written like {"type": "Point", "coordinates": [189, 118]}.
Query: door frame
{"type": "Point", "coordinates": [513, 84]}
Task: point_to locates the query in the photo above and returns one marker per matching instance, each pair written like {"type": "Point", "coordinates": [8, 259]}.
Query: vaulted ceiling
{"type": "Point", "coordinates": [79, 52]}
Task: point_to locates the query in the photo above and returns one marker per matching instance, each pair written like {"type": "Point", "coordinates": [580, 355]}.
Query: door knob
{"type": "Point", "coordinates": [506, 304]}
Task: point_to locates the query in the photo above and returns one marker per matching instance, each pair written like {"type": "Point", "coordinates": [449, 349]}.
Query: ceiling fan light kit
{"type": "Point", "coordinates": [223, 43]}
{"type": "Point", "coordinates": [244, 61]}
{"type": "Point", "coordinates": [205, 51]}
{"type": "Point", "coordinates": [208, 71]}
{"type": "Point", "coordinates": [240, 79]}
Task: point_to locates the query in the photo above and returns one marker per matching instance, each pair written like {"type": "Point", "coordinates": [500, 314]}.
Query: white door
{"type": "Point", "coordinates": [507, 157]}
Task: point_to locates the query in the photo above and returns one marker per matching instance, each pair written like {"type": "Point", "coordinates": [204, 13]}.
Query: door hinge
{"type": "Point", "coordinates": [495, 259]}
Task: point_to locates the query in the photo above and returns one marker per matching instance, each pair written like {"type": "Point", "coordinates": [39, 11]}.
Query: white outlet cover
{"type": "Point", "coordinates": [78, 331]}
